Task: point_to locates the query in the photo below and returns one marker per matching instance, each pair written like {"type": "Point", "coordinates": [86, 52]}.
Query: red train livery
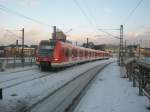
{"type": "Point", "coordinates": [56, 54]}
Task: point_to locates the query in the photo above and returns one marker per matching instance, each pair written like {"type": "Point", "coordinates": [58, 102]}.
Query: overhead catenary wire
{"type": "Point", "coordinates": [109, 34]}
{"type": "Point", "coordinates": [10, 31]}
{"type": "Point", "coordinates": [88, 19]}
{"type": "Point", "coordinates": [90, 13]}
{"type": "Point", "coordinates": [83, 12]}
{"type": "Point", "coordinates": [5, 9]}
{"type": "Point", "coordinates": [13, 33]}
{"type": "Point", "coordinates": [132, 11]}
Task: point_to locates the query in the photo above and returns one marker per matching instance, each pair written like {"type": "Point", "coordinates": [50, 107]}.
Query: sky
{"type": "Point", "coordinates": [84, 17]}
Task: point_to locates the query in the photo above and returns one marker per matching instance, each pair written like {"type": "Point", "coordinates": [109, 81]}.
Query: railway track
{"type": "Point", "coordinates": [8, 83]}
{"type": "Point", "coordinates": [20, 79]}
{"type": "Point", "coordinates": [57, 91]}
{"type": "Point", "coordinates": [60, 99]}
{"type": "Point", "coordinates": [25, 79]}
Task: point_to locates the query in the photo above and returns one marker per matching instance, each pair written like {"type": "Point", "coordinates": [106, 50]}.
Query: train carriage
{"type": "Point", "coordinates": [55, 54]}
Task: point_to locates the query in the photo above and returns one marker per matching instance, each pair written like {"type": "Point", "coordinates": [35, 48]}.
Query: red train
{"type": "Point", "coordinates": [58, 54]}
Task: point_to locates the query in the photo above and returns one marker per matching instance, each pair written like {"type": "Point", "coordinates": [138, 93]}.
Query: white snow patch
{"type": "Point", "coordinates": [111, 93]}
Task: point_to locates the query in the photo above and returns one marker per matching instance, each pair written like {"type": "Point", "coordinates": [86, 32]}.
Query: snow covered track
{"type": "Point", "coordinates": [21, 79]}
{"type": "Point", "coordinates": [29, 95]}
{"type": "Point", "coordinates": [62, 97]}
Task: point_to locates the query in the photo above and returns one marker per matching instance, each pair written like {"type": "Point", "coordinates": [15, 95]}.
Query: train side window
{"type": "Point", "coordinates": [78, 50]}
{"type": "Point", "coordinates": [81, 53]}
{"type": "Point", "coordinates": [70, 52]}
{"type": "Point", "coordinates": [74, 52]}
{"type": "Point", "coordinates": [67, 53]}
{"type": "Point", "coordinates": [86, 53]}
{"type": "Point", "coordinates": [62, 51]}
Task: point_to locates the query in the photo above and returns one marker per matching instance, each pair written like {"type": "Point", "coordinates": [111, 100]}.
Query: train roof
{"type": "Point", "coordinates": [79, 47]}
{"type": "Point", "coordinates": [70, 45]}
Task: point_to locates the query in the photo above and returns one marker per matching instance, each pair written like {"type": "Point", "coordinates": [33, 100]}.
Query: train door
{"type": "Point", "coordinates": [70, 55]}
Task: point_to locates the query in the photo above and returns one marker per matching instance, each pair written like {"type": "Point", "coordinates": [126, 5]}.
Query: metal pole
{"type": "Point", "coordinates": [121, 45]}
{"type": "Point", "coordinates": [1, 94]}
{"type": "Point", "coordinates": [139, 51]}
{"type": "Point", "coordinates": [87, 44]}
{"type": "Point", "coordinates": [76, 43]}
{"type": "Point", "coordinates": [16, 48]}
{"type": "Point", "coordinates": [125, 49]}
{"type": "Point", "coordinates": [54, 32]}
{"type": "Point", "coordinates": [119, 61]}
{"type": "Point", "coordinates": [22, 47]}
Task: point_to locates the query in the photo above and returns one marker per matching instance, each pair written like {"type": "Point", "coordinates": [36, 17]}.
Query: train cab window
{"type": "Point", "coordinates": [46, 48]}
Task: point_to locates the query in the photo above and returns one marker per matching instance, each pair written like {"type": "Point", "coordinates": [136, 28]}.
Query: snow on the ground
{"type": "Point", "coordinates": [18, 75]}
{"type": "Point", "coordinates": [18, 69]}
{"type": "Point", "coordinates": [36, 89]}
{"type": "Point", "coordinates": [111, 93]}
{"type": "Point", "coordinates": [49, 83]}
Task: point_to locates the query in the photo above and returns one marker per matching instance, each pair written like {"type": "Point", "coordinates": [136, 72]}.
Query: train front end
{"type": "Point", "coordinates": [44, 54]}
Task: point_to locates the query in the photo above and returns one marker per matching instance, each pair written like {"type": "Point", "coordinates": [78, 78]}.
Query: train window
{"type": "Point", "coordinates": [46, 48]}
{"type": "Point", "coordinates": [70, 52]}
{"type": "Point", "coordinates": [89, 54]}
{"type": "Point", "coordinates": [78, 52]}
{"type": "Point", "coordinates": [67, 53]}
{"type": "Point", "coordinates": [81, 53]}
{"type": "Point", "coordinates": [45, 52]}
{"type": "Point", "coordinates": [86, 53]}
{"type": "Point", "coordinates": [62, 51]}
{"type": "Point", "coordinates": [74, 53]}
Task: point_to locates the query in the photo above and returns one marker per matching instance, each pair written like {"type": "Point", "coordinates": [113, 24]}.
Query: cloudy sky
{"type": "Point", "coordinates": [84, 17]}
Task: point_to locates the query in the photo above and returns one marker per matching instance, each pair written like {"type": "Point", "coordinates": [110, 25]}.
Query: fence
{"type": "Point", "coordinates": [138, 71]}
{"type": "Point", "coordinates": [16, 62]}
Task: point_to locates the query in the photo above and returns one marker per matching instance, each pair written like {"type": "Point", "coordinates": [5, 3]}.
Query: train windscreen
{"type": "Point", "coordinates": [46, 48]}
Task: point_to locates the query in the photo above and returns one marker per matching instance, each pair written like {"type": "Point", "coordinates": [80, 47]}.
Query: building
{"type": "Point", "coordinates": [2, 51]}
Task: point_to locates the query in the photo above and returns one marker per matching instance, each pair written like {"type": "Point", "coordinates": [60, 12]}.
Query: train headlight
{"type": "Point", "coordinates": [56, 59]}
